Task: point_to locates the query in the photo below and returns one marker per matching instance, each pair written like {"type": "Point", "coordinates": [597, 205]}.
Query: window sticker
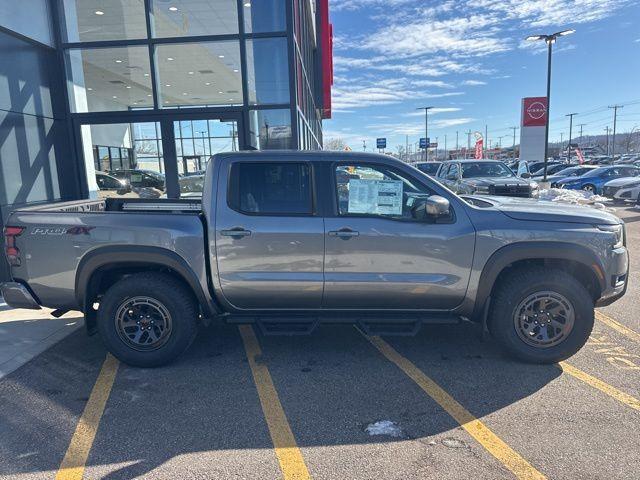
{"type": "Point", "coordinates": [377, 197]}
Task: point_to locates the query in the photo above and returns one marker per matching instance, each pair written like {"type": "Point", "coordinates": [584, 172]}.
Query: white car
{"type": "Point", "coordinates": [621, 189]}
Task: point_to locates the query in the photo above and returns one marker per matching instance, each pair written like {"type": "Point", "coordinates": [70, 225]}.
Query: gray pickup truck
{"type": "Point", "coordinates": [288, 240]}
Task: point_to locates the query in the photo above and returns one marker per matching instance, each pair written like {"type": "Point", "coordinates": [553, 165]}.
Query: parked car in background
{"type": "Point", "coordinates": [526, 167]}
{"type": "Point", "coordinates": [573, 171]}
{"type": "Point", "coordinates": [594, 180]}
{"type": "Point", "coordinates": [141, 178]}
{"type": "Point", "coordinates": [485, 177]}
{"type": "Point", "coordinates": [191, 185]}
{"type": "Point", "coordinates": [622, 189]}
{"type": "Point", "coordinates": [430, 168]}
{"type": "Point", "coordinates": [109, 184]}
{"type": "Point", "coordinates": [551, 170]}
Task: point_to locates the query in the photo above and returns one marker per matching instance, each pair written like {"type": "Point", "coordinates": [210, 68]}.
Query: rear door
{"type": "Point", "coordinates": [269, 237]}
{"type": "Point", "coordinates": [381, 254]}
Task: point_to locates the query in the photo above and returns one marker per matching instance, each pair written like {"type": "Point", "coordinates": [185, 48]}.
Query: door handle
{"type": "Point", "coordinates": [345, 233]}
{"type": "Point", "coordinates": [238, 232]}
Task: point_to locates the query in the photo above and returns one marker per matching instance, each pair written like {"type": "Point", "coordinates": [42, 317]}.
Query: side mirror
{"type": "Point", "coordinates": [437, 206]}
{"type": "Point", "coordinates": [525, 175]}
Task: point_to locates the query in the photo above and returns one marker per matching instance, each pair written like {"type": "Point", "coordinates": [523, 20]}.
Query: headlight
{"type": "Point", "coordinates": [481, 189]}
{"type": "Point", "coordinates": [617, 230]}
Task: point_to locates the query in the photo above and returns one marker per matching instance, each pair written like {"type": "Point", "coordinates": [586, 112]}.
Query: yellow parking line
{"type": "Point", "coordinates": [478, 430]}
{"type": "Point", "coordinates": [287, 451]}
{"type": "Point", "coordinates": [73, 463]}
{"type": "Point", "coordinates": [600, 385]}
{"type": "Point", "coordinates": [617, 326]}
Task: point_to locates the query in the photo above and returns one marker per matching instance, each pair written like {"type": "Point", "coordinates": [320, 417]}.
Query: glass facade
{"type": "Point", "coordinates": [191, 78]}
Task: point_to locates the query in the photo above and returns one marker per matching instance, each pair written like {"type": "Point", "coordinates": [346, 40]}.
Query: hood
{"type": "Point", "coordinates": [486, 181]}
{"type": "Point", "coordinates": [621, 182]}
{"type": "Point", "coordinates": [532, 209]}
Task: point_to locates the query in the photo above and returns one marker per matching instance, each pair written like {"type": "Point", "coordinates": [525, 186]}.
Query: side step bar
{"type": "Point", "coordinates": [274, 325]}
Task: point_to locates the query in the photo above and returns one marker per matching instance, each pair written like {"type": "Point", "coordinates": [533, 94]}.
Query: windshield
{"type": "Point", "coordinates": [485, 169]}
{"type": "Point", "coordinates": [596, 172]}
{"type": "Point", "coordinates": [429, 168]}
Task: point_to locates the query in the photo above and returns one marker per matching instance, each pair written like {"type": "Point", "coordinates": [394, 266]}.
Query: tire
{"type": "Point", "coordinates": [559, 289]}
{"type": "Point", "coordinates": [589, 188]}
{"type": "Point", "coordinates": [160, 300]}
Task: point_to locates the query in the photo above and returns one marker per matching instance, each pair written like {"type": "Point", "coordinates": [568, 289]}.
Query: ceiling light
{"type": "Point", "coordinates": [89, 88]}
{"type": "Point", "coordinates": [235, 70]}
{"type": "Point", "coordinates": [169, 59]}
{"type": "Point", "coordinates": [148, 94]}
{"type": "Point", "coordinates": [173, 9]}
{"type": "Point", "coordinates": [167, 85]}
{"type": "Point", "coordinates": [208, 83]}
{"type": "Point", "coordinates": [220, 56]}
{"type": "Point", "coordinates": [99, 12]}
{"type": "Point", "coordinates": [115, 96]}
{"type": "Point", "coordinates": [184, 93]}
{"type": "Point", "coordinates": [219, 92]}
{"type": "Point", "coordinates": [128, 86]}
{"type": "Point", "coordinates": [118, 61]}
{"type": "Point", "coordinates": [146, 74]}
{"type": "Point", "coordinates": [190, 73]}
{"type": "Point", "coordinates": [247, 4]}
{"type": "Point", "coordinates": [135, 103]}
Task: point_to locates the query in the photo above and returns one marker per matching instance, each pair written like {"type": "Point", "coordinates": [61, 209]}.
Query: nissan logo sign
{"type": "Point", "coordinates": [536, 110]}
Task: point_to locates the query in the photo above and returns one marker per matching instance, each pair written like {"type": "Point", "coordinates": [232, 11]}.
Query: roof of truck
{"type": "Point", "coordinates": [329, 155]}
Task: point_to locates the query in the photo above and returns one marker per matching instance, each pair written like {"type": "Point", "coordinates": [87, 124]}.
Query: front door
{"type": "Point", "coordinates": [382, 253]}
{"type": "Point", "coordinates": [269, 237]}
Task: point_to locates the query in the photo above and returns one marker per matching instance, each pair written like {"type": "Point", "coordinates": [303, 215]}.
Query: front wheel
{"type": "Point", "coordinates": [541, 315]}
{"type": "Point", "coordinates": [589, 188]}
{"type": "Point", "coordinates": [147, 319]}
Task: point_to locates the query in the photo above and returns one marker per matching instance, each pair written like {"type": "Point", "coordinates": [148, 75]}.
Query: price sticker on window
{"type": "Point", "coordinates": [377, 197]}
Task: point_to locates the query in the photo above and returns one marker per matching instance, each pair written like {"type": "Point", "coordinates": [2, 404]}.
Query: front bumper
{"type": "Point", "coordinates": [18, 296]}
{"type": "Point", "coordinates": [617, 278]}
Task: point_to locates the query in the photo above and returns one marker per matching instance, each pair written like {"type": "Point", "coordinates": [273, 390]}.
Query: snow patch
{"type": "Point", "coordinates": [384, 427]}
{"type": "Point", "coordinates": [575, 197]}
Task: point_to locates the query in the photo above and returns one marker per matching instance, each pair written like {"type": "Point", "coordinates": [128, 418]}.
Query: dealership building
{"type": "Point", "coordinates": [131, 97]}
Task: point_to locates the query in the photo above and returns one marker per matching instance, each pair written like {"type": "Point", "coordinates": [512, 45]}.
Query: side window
{"type": "Point", "coordinates": [270, 188]}
{"type": "Point", "coordinates": [454, 171]}
{"type": "Point", "coordinates": [443, 171]}
{"type": "Point", "coordinates": [379, 191]}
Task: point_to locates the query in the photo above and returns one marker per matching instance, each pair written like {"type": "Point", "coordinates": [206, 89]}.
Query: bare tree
{"type": "Point", "coordinates": [335, 144]}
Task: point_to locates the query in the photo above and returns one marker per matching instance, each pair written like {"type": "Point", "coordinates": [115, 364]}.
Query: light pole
{"type": "Point", "coordinates": [426, 131]}
{"type": "Point", "coordinates": [514, 141]}
{"type": "Point", "coordinates": [549, 40]}
{"type": "Point", "coordinates": [613, 142]}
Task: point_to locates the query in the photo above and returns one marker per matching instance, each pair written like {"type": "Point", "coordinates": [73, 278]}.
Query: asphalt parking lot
{"type": "Point", "coordinates": [445, 404]}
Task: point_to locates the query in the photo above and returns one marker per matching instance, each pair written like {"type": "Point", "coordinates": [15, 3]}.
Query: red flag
{"type": "Point", "coordinates": [479, 144]}
{"type": "Point", "coordinates": [580, 156]}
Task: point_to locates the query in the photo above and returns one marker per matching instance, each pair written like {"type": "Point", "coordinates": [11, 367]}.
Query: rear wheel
{"type": "Point", "coordinates": [147, 319]}
{"type": "Point", "coordinates": [589, 188]}
{"type": "Point", "coordinates": [540, 315]}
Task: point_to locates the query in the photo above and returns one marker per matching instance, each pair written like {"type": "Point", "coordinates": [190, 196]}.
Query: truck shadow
{"type": "Point", "coordinates": [332, 384]}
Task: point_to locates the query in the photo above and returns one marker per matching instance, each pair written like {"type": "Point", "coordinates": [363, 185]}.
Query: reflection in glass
{"type": "Point", "coordinates": [199, 74]}
{"type": "Point", "coordinates": [270, 129]}
{"type": "Point", "coordinates": [264, 16]}
{"type": "Point", "coordinates": [182, 18]}
{"type": "Point", "coordinates": [94, 20]}
{"type": "Point", "coordinates": [104, 79]}
{"type": "Point", "coordinates": [267, 70]}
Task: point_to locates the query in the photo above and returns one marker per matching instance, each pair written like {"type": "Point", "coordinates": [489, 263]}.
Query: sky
{"type": "Point", "coordinates": [469, 60]}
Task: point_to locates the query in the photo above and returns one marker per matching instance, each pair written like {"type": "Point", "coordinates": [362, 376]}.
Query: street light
{"type": "Point", "coordinates": [426, 131]}
{"type": "Point", "coordinates": [549, 40]}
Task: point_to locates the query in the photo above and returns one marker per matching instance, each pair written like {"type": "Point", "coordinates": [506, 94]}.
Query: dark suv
{"type": "Point", "coordinates": [484, 177]}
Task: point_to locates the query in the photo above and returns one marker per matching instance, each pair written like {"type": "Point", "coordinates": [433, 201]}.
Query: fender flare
{"type": "Point", "coordinates": [131, 256]}
{"type": "Point", "coordinates": [509, 254]}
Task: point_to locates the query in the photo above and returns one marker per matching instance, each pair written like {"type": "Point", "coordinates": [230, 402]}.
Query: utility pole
{"type": "Point", "coordinates": [426, 131]}
{"type": "Point", "coordinates": [457, 147]}
{"type": "Point", "coordinates": [514, 141]}
{"type": "Point", "coordinates": [364, 145]}
{"type": "Point", "coordinates": [468, 143]}
{"type": "Point", "coordinates": [406, 148]}
{"type": "Point", "coordinates": [561, 141]}
{"type": "Point", "coordinates": [613, 140]}
{"type": "Point", "coordinates": [581, 125]}
{"type": "Point", "coordinates": [607, 130]}
{"type": "Point", "coordinates": [570, 115]}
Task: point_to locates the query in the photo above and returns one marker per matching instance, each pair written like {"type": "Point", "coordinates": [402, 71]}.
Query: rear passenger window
{"type": "Point", "coordinates": [271, 188]}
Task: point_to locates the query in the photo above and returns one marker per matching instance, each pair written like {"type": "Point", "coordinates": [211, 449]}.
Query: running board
{"type": "Point", "coordinates": [399, 325]}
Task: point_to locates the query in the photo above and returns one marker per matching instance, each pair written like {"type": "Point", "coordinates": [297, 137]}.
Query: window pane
{"type": "Point", "coordinates": [186, 131]}
{"type": "Point", "coordinates": [144, 130]}
{"type": "Point", "coordinates": [90, 20]}
{"type": "Point", "coordinates": [181, 18]}
{"type": "Point", "coordinates": [267, 71]}
{"type": "Point", "coordinates": [199, 74]}
{"type": "Point", "coordinates": [264, 16]}
{"type": "Point", "coordinates": [270, 129]}
{"type": "Point", "coordinates": [105, 79]}
{"type": "Point", "coordinates": [270, 188]}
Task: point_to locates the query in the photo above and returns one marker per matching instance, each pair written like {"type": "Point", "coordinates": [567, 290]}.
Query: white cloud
{"type": "Point", "coordinates": [472, 83]}
{"type": "Point", "coordinates": [431, 83]}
